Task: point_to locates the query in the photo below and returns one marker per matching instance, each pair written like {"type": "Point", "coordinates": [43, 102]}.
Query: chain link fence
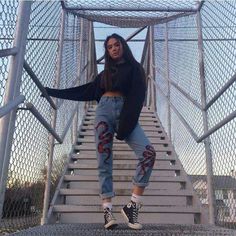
{"type": "Point", "coordinates": [24, 195]}
{"type": "Point", "coordinates": [177, 74]}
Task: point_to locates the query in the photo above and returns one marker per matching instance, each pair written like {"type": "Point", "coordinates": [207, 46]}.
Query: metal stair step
{"type": "Point", "coordinates": [91, 114]}
{"type": "Point", "coordinates": [144, 109]}
{"type": "Point", "coordinates": [123, 147]}
{"type": "Point", "coordinates": [149, 133]}
{"type": "Point", "coordinates": [146, 209]}
{"type": "Point", "coordinates": [127, 185]}
{"type": "Point", "coordinates": [117, 178]}
{"type": "Point", "coordinates": [160, 172]}
{"type": "Point", "coordinates": [118, 152]}
{"type": "Point", "coordinates": [142, 123]}
{"type": "Point", "coordinates": [159, 156]}
{"type": "Point", "coordinates": [126, 192]}
{"type": "Point", "coordinates": [141, 118]}
{"type": "Point", "coordinates": [89, 140]}
{"type": "Point", "coordinates": [144, 218]}
{"type": "Point", "coordinates": [147, 200]}
{"type": "Point", "coordinates": [126, 163]}
{"type": "Point", "coordinates": [121, 166]}
{"type": "Point", "coordinates": [145, 128]}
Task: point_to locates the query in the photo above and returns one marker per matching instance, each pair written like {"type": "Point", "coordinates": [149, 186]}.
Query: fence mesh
{"type": "Point", "coordinates": [218, 22]}
{"type": "Point", "coordinates": [8, 15]}
{"type": "Point", "coordinates": [30, 149]}
{"type": "Point", "coordinates": [220, 66]}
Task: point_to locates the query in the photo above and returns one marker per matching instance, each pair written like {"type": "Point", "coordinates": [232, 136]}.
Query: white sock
{"type": "Point", "coordinates": [136, 198]}
{"type": "Point", "coordinates": [107, 205]}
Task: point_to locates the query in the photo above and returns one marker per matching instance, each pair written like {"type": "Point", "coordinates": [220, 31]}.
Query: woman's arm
{"type": "Point", "coordinates": [84, 92]}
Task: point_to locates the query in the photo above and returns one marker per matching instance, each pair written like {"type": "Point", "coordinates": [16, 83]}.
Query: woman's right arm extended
{"type": "Point", "coordinates": [84, 92]}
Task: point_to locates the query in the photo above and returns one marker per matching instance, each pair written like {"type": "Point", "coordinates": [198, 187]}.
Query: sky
{"type": "Point", "coordinates": [101, 31]}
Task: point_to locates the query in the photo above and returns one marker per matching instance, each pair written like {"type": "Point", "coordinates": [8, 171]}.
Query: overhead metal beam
{"type": "Point", "coordinates": [137, 9]}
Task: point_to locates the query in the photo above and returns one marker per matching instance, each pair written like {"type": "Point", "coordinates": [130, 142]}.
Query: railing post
{"type": "Point", "coordinates": [147, 64]}
{"type": "Point", "coordinates": [168, 78]}
{"type": "Point", "coordinates": [7, 123]}
{"type": "Point", "coordinates": [80, 56]}
{"type": "Point", "coordinates": [211, 198]}
{"type": "Point", "coordinates": [44, 219]}
{"type": "Point", "coordinates": [152, 69]}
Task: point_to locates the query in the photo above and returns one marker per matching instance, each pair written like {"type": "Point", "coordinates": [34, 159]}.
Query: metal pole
{"type": "Point", "coordinates": [152, 69]}
{"type": "Point", "coordinates": [75, 122]}
{"type": "Point", "coordinates": [211, 198]}
{"type": "Point", "coordinates": [7, 123]}
{"type": "Point", "coordinates": [148, 69]}
{"type": "Point", "coordinates": [168, 79]}
{"type": "Point", "coordinates": [44, 219]}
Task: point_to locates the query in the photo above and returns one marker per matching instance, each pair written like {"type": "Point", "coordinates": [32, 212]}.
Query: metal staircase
{"type": "Point", "coordinates": [169, 199]}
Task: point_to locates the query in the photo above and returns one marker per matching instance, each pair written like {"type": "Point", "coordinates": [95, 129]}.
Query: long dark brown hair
{"type": "Point", "coordinates": [109, 62]}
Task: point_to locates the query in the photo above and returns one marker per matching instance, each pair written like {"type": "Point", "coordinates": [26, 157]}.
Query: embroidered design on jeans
{"type": "Point", "coordinates": [149, 159]}
{"type": "Point", "coordinates": [104, 137]}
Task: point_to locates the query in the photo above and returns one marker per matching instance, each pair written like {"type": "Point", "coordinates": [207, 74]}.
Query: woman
{"type": "Point", "coordinates": [120, 92]}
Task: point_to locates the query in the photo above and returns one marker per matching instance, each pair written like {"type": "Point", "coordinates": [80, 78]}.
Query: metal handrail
{"type": "Point", "coordinates": [38, 84]}
{"type": "Point", "coordinates": [11, 105]}
{"type": "Point", "coordinates": [41, 87]}
{"type": "Point", "coordinates": [39, 117]}
{"type": "Point", "coordinates": [185, 94]}
{"type": "Point", "coordinates": [8, 52]}
{"type": "Point", "coordinates": [182, 91]}
{"type": "Point", "coordinates": [220, 92]}
{"type": "Point", "coordinates": [187, 126]}
{"type": "Point", "coordinates": [230, 117]}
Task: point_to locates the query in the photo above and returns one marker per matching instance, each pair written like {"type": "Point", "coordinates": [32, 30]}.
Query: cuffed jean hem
{"type": "Point", "coordinates": [140, 184]}
{"type": "Point", "coordinates": [107, 195]}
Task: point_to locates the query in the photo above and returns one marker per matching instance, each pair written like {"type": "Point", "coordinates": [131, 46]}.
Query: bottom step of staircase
{"type": "Point", "coordinates": [147, 215]}
{"type": "Point", "coordinates": [123, 230]}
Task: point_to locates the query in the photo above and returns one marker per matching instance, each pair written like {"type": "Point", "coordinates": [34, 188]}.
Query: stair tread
{"type": "Point", "coordinates": [149, 133]}
{"type": "Point", "coordinates": [86, 141]}
{"type": "Point", "coordinates": [122, 147]}
{"type": "Point", "coordinates": [145, 209]}
{"type": "Point", "coordinates": [117, 178]}
{"type": "Point", "coordinates": [126, 192]}
{"type": "Point", "coordinates": [159, 156]}
{"type": "Point", "coordinates": [145, 128]}
{"type": "Point", "coordinates": [120, 166]}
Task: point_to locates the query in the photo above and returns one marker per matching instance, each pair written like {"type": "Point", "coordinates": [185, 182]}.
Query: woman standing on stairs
{"type": "Point", "coordinates": [120, 92]}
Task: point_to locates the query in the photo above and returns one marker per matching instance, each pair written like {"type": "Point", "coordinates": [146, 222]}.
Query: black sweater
{"type": "Point", "coordinates": [128, 79]}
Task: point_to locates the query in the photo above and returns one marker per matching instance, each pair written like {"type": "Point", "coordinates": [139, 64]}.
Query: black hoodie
{"type": "Point", "coordinates": [128, 79]}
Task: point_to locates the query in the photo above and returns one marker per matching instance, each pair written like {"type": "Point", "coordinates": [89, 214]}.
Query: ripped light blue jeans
{"type": "Point", "coordinates": [106, 123]}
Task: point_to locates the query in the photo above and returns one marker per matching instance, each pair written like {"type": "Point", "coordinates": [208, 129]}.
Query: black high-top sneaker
{"type": "Point", "coordinates": [130, 213]}
{"type": "Point", "coordinates": [110, 220]}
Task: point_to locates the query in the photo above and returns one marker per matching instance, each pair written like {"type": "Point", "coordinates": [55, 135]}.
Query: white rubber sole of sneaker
{"type": "Point", "coordinates": [111, 225]}
{"type": "Point", "coordinates": [132, 226]}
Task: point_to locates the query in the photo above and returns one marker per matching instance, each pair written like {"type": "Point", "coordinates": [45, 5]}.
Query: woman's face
{"type": "Point", "coordinates": [115, 49]}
